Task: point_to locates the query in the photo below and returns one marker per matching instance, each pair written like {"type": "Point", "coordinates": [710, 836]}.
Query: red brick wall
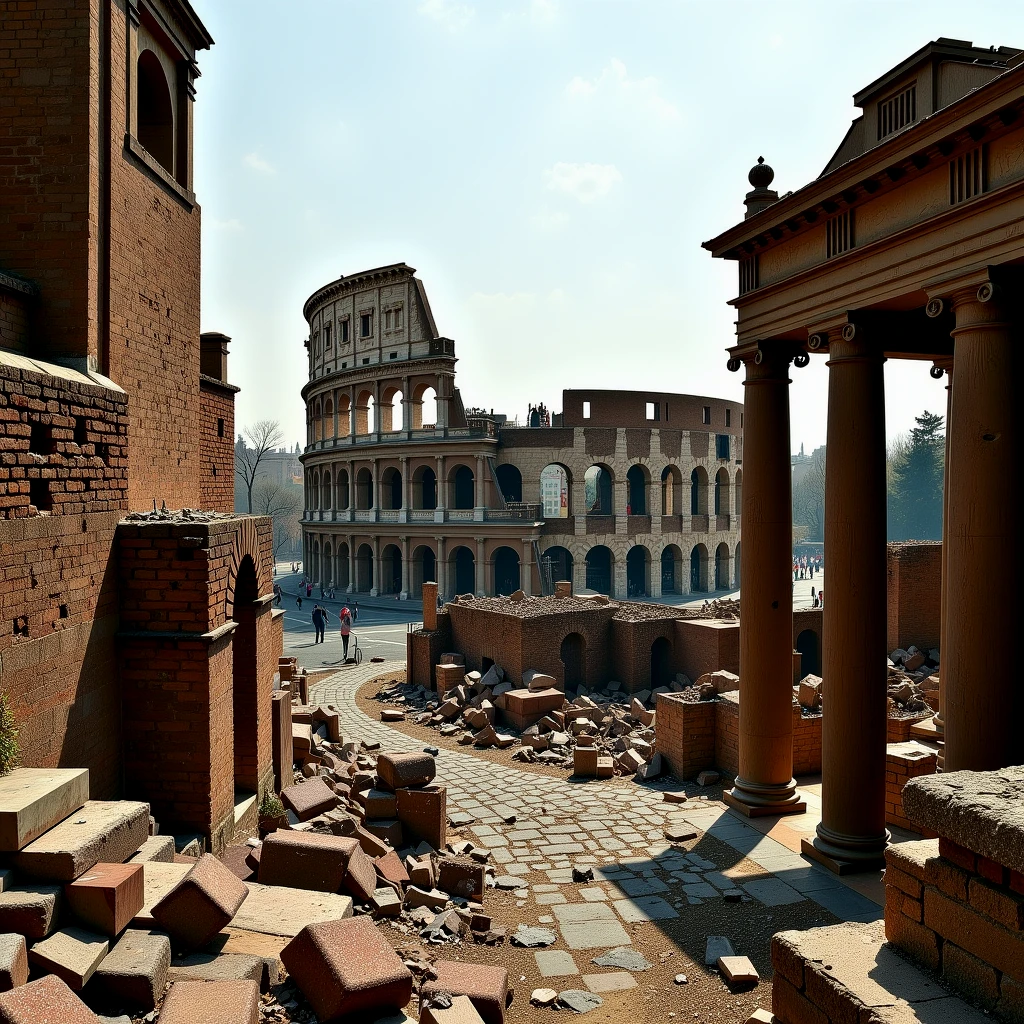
{"type": "Point", "coordinates": [806, 743]}
{"type": "Point", "coordinates": [913, 594]}
{"type": "Point", "coordinates": [727, 733]}
{"type": "Point", "coordinates": [904, 762]}
{"type": "Point", "coordinates": [684, 734]}
{"type": "Point", "coordinates": [217, 448]}
{"type": "Point", "coordinates": [631, 650]}
{"type": "Point", "coordinates": [14, 318]}
{"type": "Point", "coordinates": [629, 409]}
{"type": "Point", "coordinates": [424, 649]}
{"type": "Point", "coordinates": [707, 646]}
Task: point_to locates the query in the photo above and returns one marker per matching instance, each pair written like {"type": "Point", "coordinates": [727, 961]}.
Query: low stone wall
{"type": "Point", "coordinates": [685, 734]}
{"type": "Point", "coordinates": [903, 762]}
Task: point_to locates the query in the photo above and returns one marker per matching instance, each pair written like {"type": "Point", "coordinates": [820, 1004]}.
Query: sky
{"type": "Point", "coordinates": [549, 167]}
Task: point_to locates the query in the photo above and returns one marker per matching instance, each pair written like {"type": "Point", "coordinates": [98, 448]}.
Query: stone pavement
{"type": "Point", "coordinates": [533, 823]}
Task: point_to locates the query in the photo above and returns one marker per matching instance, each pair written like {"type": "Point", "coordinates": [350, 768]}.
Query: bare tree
{"type": "Point", "coordinates": [263, 437]}
{"type": "Point", "coordinates": [809, 499]}
{"type": "Point", "coordinates": [283, 505]}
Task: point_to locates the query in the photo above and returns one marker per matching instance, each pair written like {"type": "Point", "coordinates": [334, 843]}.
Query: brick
{"type": "Point", "coordinates": [459, 1011]}
{"type": "Point", "coordinates": [33, 800]}
{"type": "Point", "coordinates": [48, 999]}
{"type": "Point", "coordinates": [388, 830]}
{"type": "Point", "coordinates": [792, 1006]}
{"type": "Point", "coordinates": [203, 903]}
{"type": "Point", "coordinates": [30, 910]}
{"type": "Point", "coordinates": [373, 846]}
{"type": "Point", "coordinates": [584, 761]}
{"type": "Point", "coordinates": [306, 860]}
{"type": "Point", "coordinates": [134, 972]}
{"type": "Point", "coordinates": [424, 814]}
{"type": "Point", "coordinates": [308, 799]}
{"type": "Point", "coordinates": [904, 882]}
{"type": "Point", "coordinates": [155, 848]}
{"type": "Point", "coordinates": [13, 961]}
{"type": "Point", "coordinates": [947, 877]}
{"type": "Point", "coordinates": [347, 967]}
{"type": "Point", "coordinates": [991, 871]}
{"type": "Point", "coordinates": [212, 1002]}
{"type": "Point", "coordinates": [912, 858]}
{"type": "Point", "coordinates": [1011, 999]}
{"type": "Point", "coordinates": [787, 960]}
{"type": "Point", "coordinates": [399, 771]}
{"type": "Point", "coordinates": [957, 854]}
{"type": "Point", "coordinates": [918, 941]}
{"type": "Point", "coordinates": [391, 869]}
{"type": "Point", "coordinates": [461, 878]}
{"type": "Point", "coordinates": [107, 896]}
{"type": "Point", "coordinates": [73, 954]}
{"type": "Point", "coordinates": [997, 903]}
{"type": "Point", "coordinates": [379, 803]}
{"type": "Point", "coordinates": [217, 967]}
{"type": "Point", "coordinates": [976, 934]}
{"type": "Point", "coordinates": [970, 976]}
{"type": "Point", "coordinates": [486, 987]}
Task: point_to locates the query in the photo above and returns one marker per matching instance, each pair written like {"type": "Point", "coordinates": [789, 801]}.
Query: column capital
{"type": "Point", "coordinates": [773, 355]}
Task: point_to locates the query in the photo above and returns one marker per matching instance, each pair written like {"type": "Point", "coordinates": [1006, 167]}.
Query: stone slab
{"type": "Point", "coordinates": [33, 800]}
{"type": "Point", "coordinates": [981, 811]}
{"type": "Point", "coordinates": [645, 908]}
{"type": "Point", "coordinates": [13, 961]}
{"type": "Point", "coordinates": [134, 972]}
{"type": "Point", "coordinates": [212, 1002]}
{"type": "Point", "coordinates": [611, 981]}
{"type": "Point", "coordinates": [45, 1000]}
{"type": "Point", "coordinates": [158, 879]}
{"type": "Point", "coordinates": [107, 830]}
{"type": "Point", "coordinates": [107, 896]}
{"type": "Point", "coordinates": [216, 967]}
{"type": "Point", "coordinates": [280, 910]}
{"type": "Point", "coordinates": [579, 1000]}
{"type": "Point", "coordinates": [594, 935]}
{"type": "Point", "coordinates": [772, 892]}
{"type": "Point", "coordinates": [555, 963]}
{"type": "Point", "coordinates": [30, 910]}
{"type": "Point", "coordinates": [624, 959]}
{"type": "Point", "coordinates": [73, 954]}
{"type": "Point", "coordinates": [159, 848]}
{"type": "Point", "coordinates": [738, 970]}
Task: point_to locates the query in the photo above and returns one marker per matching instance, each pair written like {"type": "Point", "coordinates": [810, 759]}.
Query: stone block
{"type": "Point", "coordinates": [281, 737]}
{"type": "Point", "coordinates": [461, 878]}
{"type": "Point", "coordinates": [107, 897]}
{"type": "Point", "coordinates": [217, 967]}
{"type": "Point", "coordinates": [386, 902]}
{"type": "Point", "coordinates": [73, 954]}
{"type": "Point", "coordinates": [605, 767]}
{"type": "Point", "coordinates": [398, 771]}
{"type": "Point", "coordinates": [134, 972]}
{"type": "Point", "coordinates": [158, 848]}
{"type": "Point", "coordinates": [486, 987]}
{"type": "Point", "coordinates": [40, 1002]}
{"type": "Point", "coordinates": [302, 742]}
{"type": "Point", "coordinates": [914, 939]}
{"type": "Point", "coordinates": [432, 899]}
{"type": "Point", "coordinates": [988, 941]}
{"type": "Point", "coordinates": [379, 803]}
{"type": "Point", "coordinates": [13, 961]}
{"type": "Point", "coordinates": [424, 814]}
{"type": "Point", "coordinates": [392, 870]}
{"type": "Point", "coordinates": [30, 910]}
{"type": "Point", "coordinates": [307, 860]}
{"type": "Point", "coordinates": [107, 830]}
{"type": "Point", "coordinates": [158, 880]}
{"type": "Point", "coordinates": [279, 910]}
{"type": "Point", "coordinates": [347, 967]}
{"type": "Point", "coordinates": [738, 970]}
{"type": "Point", "coordinates": [201, 904]}
{"type": "Point", "coordinates": [308, 799]}
{"type": "Point", "coordinates": [459, 1010]}
{"type": "Point", "coordinates": [388, 830]}
{"type": "Point", "coordinates": [33, 800]}
{"type": "Point", "coordinates": [584, 761]}
{"type": "Point", "coordinates": [212, 1002]}
{"type": "Point", "coordinates": [970, 976]}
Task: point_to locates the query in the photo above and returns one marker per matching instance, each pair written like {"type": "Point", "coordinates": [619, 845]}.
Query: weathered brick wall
{"type": "Point", "coordinates": [913, 594]}
{"type": "Point", "coordinates": [63, 443]}
{"type": "Point", "coordinates": [424, 649]}
{"type": "Point", "coordinates": [806, 743]}
{"type": "Point", "coordinates": [727, 733]}
{"type": "Point", "coordinates": [631, 649]}
{"type": "Point", "coordinates": [903, 762]}
{"type": "Point", "coordinates": [58, 660]}
{"type": "Point", "coordinates": [216, 447]}
{"type": "Point", "coordinates": [14, 313]}
{"type": "Point", "coordinates": [684, 734]}
{"type": "Point", "coordinates": [707, 645]}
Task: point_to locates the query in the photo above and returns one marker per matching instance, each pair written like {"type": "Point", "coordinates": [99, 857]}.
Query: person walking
{"type": "Point", "coordinates": [345, 618]}
{"type": "Point", "coordinates": [298, 601]}
{"type": "Point", "coordinates": [319, 623]}
{"type": "Point", "coordinates": [355, 610]}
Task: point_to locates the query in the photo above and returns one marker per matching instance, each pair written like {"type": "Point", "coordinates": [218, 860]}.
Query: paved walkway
{"type": "Point", "coordinates": [617, 828]}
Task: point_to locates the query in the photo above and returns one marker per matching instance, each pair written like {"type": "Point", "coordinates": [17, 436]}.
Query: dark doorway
{"type": "Point", "coordinates": [637, 561]}
{"type": "Point", "coordinates": [510, 480]}
{"type": "Point", "coordinates": [465, 571]}
{"type": "Point", "coordinates": [245, 698]}
{"type": "Point", "coordinates": [506, 571]}
{"type": "Point", "coordinates": [599, 570]}
{"type": "Point", "coordinates": [462, 488]}
{"type": "Point", "coordinates": [572, 653]}
{"type": "Point", "coordinates": [810, 653]}
{"type": "Point", "coordinates": [661, 662]}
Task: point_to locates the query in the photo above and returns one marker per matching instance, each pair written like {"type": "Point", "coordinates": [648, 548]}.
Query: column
{"type": "Point", "coordinates": [939, 719]}
{"type": "Point", "coordinates": [406, 405]}
{"type": "Point", "coordinates": [403, 514]}
{"type": "Point", "coordinates": [442, 491]}
{"type": "Point", "coordinates": [579, 575]}
{"type": "Point", "coordinates": [851, 835]}
{"type": "Point", "coordinates": [375, 589]}
{"type": "Point", "coordinates": [352, 411]}
{"type": "Point", "coordinates": [406, 571]}
{"type": "Point", "coordinates": [984, 701]}
{"type": "Point", "coordinates": [441, 567]}
{"type": "Point", "coordinates": [526, 568]}
{"type": "Point", "coordinates": [765, 783]}
{"type": "Point", "coordinates": [334, 395]}
{"type": "Point", "coordinates": [350, 589]}
{"type": "Point", "coordinates": [481, 578]}
{"type": "Point", "coordinates": [479, 502]}
{"type": "Point", "coordinates": [374, 492]}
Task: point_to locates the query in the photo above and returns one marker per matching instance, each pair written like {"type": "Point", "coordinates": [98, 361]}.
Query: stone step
{"type": "Point", "coordinates": [33, 800]}
{"type": "Point", "coordinates": [245, 804]}
{"type": "Point", "coordinates": [848, 972]}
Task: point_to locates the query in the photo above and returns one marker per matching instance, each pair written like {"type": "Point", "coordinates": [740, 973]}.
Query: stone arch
{"type": "Point", "coordinates": [672, 570]}
{"type": "Point", "coordinates": [341, 577]}
{"type": "Point", "coordinates": [638, 485]}
{"type": "Point", "coordinates": [327, 571]}
{"type": "Point", "coordinates": [699, 492]}
{"type": "Point", "coordinates": [364, 489]}
{"type": "Point", "coordinates": [699, 569]}
{"type": "Point", "coordinates": [364, 409]}
{"type": "Point", "coordinates": [391, 488]}
{"type": "Point", "coordinates": [561, 562]}
{"type": "Point", "coordinates": [390, 575]}
{"type": "Point", "coordinates": [424, 567]}
{"type": "Point", "coordinates": [809, 646]}
{"type": "Point", "coordinates": [328, 417]}
{"type": "Point", "coordinates": [722, 577]}
{"type": "Point", "coordinates": [344, 415]}
{"type": "Point", "coordinates": [424, 488]}
{"type": "Point", "coordinates": [341, 488]}
{"type": "Point", "coordinates": [671, 491]}
{"type": "Point", "coordinates": [314, 495]}
{"type": "Point", "coordinates": [556, 491]}
{"type": "Point", "coordinates": [424, 406]}
{"type": "Point", "coordinates": [364, 569]}
{"type": "Point", "coordinates": [318, 420]}
{"type": "Point", "coordinates": [638, 571]}
{"type": "Point", "coordinates": [391, 398]}
{"type": "Point", "coordinates": [461, 487]}
{"type": "Point", "coordinates": [510, 480]}
{"type": "Point", "coordinates": [722, 492]}
{"type": "Point", "coordinates": [597, 485]}
{"type": "Point", "coordinates": [326, 493]}
{"type": "Point", "coordinates": [462, 569]}
{"type": "Point", "coordinates": [155, 110]}
{"type": "Point", "coordinates": [600, 569]}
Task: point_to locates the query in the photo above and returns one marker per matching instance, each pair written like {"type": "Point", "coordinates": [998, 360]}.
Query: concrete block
{"type": "Point", "coordinates": [158, 879]}
{"type": "Point", "coordinates": [13, 961]}
{"type": "Point", "coordinates": [42, 1001]}
{"type": "Point", "coordinates": [33, 800]}
{"type": "Point", "coordinates": [212, 1002]}
{"type": "Point", "coordinates": [159, 848]}
{"type": "Point", "coordinates": [347, 967]}
{"type": "Point", "coordinates": [73, 954]}
{"type": "Point", "coordinates": [308, 799]}
{"type": "Point", "coordinates": [201, 904]}
{"type": "Point", "coordinates": [280, 910]}
{"type": "Point", "coordinates": [217, 967]}
{"type": "Point", "coordinates": [30, 910]}
{"type": "Point", "coordinates": [107, 897]}
{"type": "Point", "coordinates": [307, 860]}
{"type": "Point", "coordinates": [400, 770]}
{"type": "Point", "coordinates": [134, 972]}
{"type": "Point", "coordinates": [486, 987]}
{"type": "Point", "coordinates": [424, 814]}
{"type": "Point", "coordinates": [107, 830]}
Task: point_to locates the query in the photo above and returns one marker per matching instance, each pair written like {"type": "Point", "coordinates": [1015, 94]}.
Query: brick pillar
{"type": "Point", "coordinates": [765, 783]}
{"type": "Point", "coordinates": [429, 605]}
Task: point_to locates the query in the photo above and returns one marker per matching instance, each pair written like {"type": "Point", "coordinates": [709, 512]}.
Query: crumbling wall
{"type": "Point", "coordinates": [707, 645]}
{"type": "Point", "coordinates": [685, 734]}
{"type": "Point", "coordinates": [913, 594]}
{"type": "Point", "coordinates": [423, 650]}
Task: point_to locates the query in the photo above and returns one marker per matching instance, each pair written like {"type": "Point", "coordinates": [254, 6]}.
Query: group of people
{"type": "Point", "coordinates": [321, 617]}
{"type": "Point", "coordinates": [804, 568]}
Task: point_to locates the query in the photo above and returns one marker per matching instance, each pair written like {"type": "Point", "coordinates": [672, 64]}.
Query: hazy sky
{"type": "Point", "coordinates": [549, 167]}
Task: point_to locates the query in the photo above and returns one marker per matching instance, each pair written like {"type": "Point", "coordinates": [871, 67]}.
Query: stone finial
{"type": "Point", "coordinates": [761, 176]}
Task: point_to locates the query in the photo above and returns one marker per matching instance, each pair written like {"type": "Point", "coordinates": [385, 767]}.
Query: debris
{"type": "Point", "coordinates": [623, 958]}
{"type": "Point", "coordinates": [738, 970]}
{"type": "Point", "coordinates": [530, 937]}
{"type": "Point", "coordinates": [717, 946]}
{"type": "Point", "coordinates": [543, 997]}
{"type": "Point", "coordinates": [579, 1000]}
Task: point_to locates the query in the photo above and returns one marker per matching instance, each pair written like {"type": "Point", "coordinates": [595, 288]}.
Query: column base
{"type": "Point", "coordinates": [846, 857]}
{"type": "Point", "coordinates": [758, 801]}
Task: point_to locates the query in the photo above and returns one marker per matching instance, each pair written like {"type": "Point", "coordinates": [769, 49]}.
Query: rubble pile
{"type": "Point", "coordinates": [913, 684]}
{"type": "Point", "coordinates": [601, 732]}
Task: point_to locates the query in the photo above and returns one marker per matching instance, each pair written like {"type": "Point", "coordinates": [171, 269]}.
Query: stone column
{"type": "Point", "coordinates": [765, 783]}
{"type": "Point", "coordinates": [984, 700]}
{"type": "Point", "coordinates": [526, 568]}
{"type": "Point", "coordinates": [851, 835]}
{"type": "Point", "coordinates": [579, 575]}
{"type": "Point", "coordinates": [441, 567]}
{"type": "Point", "coordinates": [403, 514]}
{"type": "Point", "coordinates": [406, 571]}
{"type": "Point", "coordinates": [334, 394]}
{"type": "Point", "coordinates": [939, 720]}
{"type": "Point", "coordinates": [442, 491]}
{"type": "Point", "coordinates": [374, 489]}
{"type": "Point", "coordinates": [479, 501]}
{"type": "Point", "coordinates": [375, 588]}
{"type": "Point", "coordinates": [481, 569]}
{"type": "Point", "coordinates": [406, 406]}
{"type": "Point", "coordinates": [350, 589]}
{"type": "Point", "coordinates": [352, 411]}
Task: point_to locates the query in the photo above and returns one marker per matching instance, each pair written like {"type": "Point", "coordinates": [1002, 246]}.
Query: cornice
{"type": "Point", "coordinates": [353, 282]}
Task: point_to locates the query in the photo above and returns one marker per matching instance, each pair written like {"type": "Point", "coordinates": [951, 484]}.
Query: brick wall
{"type": "Point", "coordinates": [632, 651]}
{"type": "Point", "coordinates": [707, 645]}
{"type": "Point", "coordinates": [903, 762]}
{"type": "Point", "coordinates": [15, 297]}
{"type": "Point", "coordinates": [806, 743]}
{"type": "Point", "coordinates": [216, 446]}
{"type": "Point", "coordinates": [684, 734]}
{"type": "Point", "coordinates": [424, 649]}
{"type": "Point", "coordinates": [727, 732]}
{"type": "Point", "coordinates": [913, 594]}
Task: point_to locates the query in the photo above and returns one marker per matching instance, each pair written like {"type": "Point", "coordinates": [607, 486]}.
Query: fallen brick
{"type": "Point", "coordinates": [486, 987]}
{"type": "Point", "coordinates": [134, 972]}
{"type": "Point", "coordinates": [30, 910]}
{"type": "Point", "coordinates": [307, 860]}
{"type": "Point", "coordinates": [217, 967]}
{"type": "Point", "coordinates": [48, 999]}
{"type": "Point", "coordinates": [308, 799]}
{"type": "Point", "coordinates": [401, 770]}
{"type": "Point", "coordinates": [461, 878]}
{"type": "Point", "coordinates": [13, 961]}
{"type": "Point", "coordinates": [424, 814]}
{"type": "Point", "coordinates": [107, 897]}
{"type": "Point", "coordinates": [158, 848]}
{"type": "Point", "coordinates": [212, 1002]}
{"type": "Point", "coordinates": [201, 904]}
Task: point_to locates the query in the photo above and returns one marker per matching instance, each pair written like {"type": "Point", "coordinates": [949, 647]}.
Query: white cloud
{"type": "Point", "coordinates": [615, 86]}
{"type": "Point", "coordinates": [584, 182]}
{"type": "Point", "coordinates": [257, 163]}
{"type": "Point", "coordinates": [452, 15]}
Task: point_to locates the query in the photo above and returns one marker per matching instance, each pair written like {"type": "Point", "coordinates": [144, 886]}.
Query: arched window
{"type": "Point", "coordinates": [555, 491]}
{"type": "Point", "coordinates": [597, 486]}
{"type": "Point", "coordinates": [636, 487]}
{"type": "Point", "coordinates": [510, 480]}
{"type": "Point", "coordinates": [156, 115]}
{"type": "Point", "coordinates": [699, 492]}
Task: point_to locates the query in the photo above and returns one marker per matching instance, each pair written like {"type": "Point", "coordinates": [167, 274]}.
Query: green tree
{"type": "Point", "coordinates": [916, 466]}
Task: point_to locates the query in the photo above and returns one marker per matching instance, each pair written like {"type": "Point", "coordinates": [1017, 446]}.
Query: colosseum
{"type": "Point", "coordinates": [627, 493]}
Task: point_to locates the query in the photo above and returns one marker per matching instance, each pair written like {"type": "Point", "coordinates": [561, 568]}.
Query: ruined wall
{"type": "Point", "coordinates": [685, 734]}
{"type": "Point", "coordinates": [913, 594]}
{"type": "Point", "coordinates": [632, 652]}
{"type": "Point", "coordinates": [216, 447]}
{"type": "Point", "coordinates": [707, 645]}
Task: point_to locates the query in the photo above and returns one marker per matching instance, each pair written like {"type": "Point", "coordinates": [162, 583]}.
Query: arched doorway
{"type": "Point", "coordinates": [510, 480]}
{"type": "Point", "coordinates": [341, 567]}
{"type": "Point", "coordinates": [671, 570]}
{"type": "Point", "coordinates": [661, 662]}
{"type": "Point", "coordinates": [722, 567]}
{"type": "Point", "coordinates": [391, 488]}
{"type": "Point", "coordinates": [364, 569]}
{"type": "Point", "coordinates": [244, 683]}
{"type": "Point", "coordinates": [810, 652]}
{"type": "Point", "coordinates": [573, 655]}
{"type": "Point", "coordinates": [390, 570]}
{"type": "Point", "coordinates": [638, 563]}
{"type": "Point", "coordinates": [599, 569]}
{"type": "Point", "coordinates": [636, 490]}
{"type": "Point", "coordinates": [671, 489]}
{"type": "Point", "coordinates": [506, 571]}
{"type": "Point", "coordinates": [699, 569]}
{"type": "Point", "coordinates": [597, 488]}
{"type": "Point", "coordinates": [341, 489]}
{"type": "Point", "coordinates": [559, 561]}
{"type": "Point", "coordinates": [736, 567]}
{"type": "Point", "coordinates": [460, 480]}
{"type": "Point", "coordinates": [424, 488]}
{"type": "Point", "coordinates": [424, 569]}
{"type": "Point", "coordinates": [699, 492]}
{"type": "Point", "coordinates": [464, 564]}
{"type": "Point", "coordinates": [364, 489]}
